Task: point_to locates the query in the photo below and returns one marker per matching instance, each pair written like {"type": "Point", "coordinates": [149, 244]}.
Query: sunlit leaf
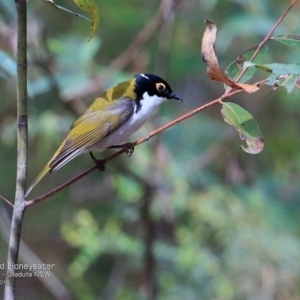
{"type": "Point", "coordinates": [235, 68]}
{"type": "Point", "coordinates": [282, 74]}
{"type": "Point", "coordinates": [286, 80]}
{"type": "Point", "coordinates": [246, 125]}
{"type": "Point", "coordinates": [289, 82]}
{"type": "Point", "coordinates": [90, 7]}
{"type": "Point", "coordinates": [276, 68]}
{"type": "Point", "coordinates": [288, 39]}
{"type": "Point", "coordinates": [209, 56]}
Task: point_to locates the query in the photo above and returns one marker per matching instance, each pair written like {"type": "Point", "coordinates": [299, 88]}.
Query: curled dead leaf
{"type": "Point", "coordinates": [254, 145]}
{"type": "Point", "coordinates": [209, 56]}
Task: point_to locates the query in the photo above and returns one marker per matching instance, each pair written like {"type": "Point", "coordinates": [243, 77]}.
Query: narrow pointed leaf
{"type": "Point", "coordinates": [275, 68]}
{"type": "Point", "coordinates": [90, 7]}
{"type": "Point", "coordinates": [288, 39]}
{"type": "Point", "coordinates": [246, 126]}
{"type": "Point", "coordinates": [66, 10]}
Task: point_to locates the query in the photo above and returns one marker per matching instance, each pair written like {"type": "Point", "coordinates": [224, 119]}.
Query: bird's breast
{"type": "Point", "coordinates": [134, 123]}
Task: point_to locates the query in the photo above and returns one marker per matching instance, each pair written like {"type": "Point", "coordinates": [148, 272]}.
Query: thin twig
{"type": "Point", "coordinates": [60, 187]}
{"type": "Point", "coordinates": [264, 41]}
{"type": "Point", "coordinates": [7, 201]}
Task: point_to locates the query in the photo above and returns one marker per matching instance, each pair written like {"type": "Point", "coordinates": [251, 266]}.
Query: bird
{"type": "Point", "coordinates": [110, 120]}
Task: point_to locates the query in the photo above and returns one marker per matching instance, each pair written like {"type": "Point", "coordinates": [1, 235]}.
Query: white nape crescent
{"type": "Point", "coordinates": [143, 75]}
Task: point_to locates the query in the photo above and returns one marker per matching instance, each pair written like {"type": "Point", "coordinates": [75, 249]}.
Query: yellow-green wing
{"type": "Point", "coordinates": [91, 127]}
{"type": "Point", "coordinates": [103, 117]}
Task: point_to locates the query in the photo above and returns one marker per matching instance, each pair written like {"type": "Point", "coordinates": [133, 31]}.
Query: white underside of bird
{"type": "Point", "coordinates": [134, 123]}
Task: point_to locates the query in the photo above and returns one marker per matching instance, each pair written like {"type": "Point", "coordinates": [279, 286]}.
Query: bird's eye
{"type": "Point", "coordinates": [160, 87]}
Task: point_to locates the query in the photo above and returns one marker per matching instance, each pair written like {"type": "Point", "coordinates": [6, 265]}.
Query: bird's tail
{"type": "Point", "coordinates": [38, 179]}
{"type": "Point", "coordinates": [49, 168]}
{"type": "Point", "coordinates": [59, 159]}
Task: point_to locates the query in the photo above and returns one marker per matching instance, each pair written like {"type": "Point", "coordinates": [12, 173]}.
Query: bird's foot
{"type": "Point", "coordinates": [128, 148]}
{"type": "Point", "coordinates": [98, 162]}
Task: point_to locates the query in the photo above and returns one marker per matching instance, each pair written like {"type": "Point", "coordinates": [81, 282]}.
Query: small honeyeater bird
{"type": "Point", "coordinates": [111, 119]}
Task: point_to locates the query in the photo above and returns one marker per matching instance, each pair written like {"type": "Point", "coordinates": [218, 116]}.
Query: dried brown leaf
{"type": "Point", "coordinates": [209, 56]}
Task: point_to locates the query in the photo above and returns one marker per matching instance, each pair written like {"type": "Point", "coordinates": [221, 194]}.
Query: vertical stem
{"type": "Point", "coordinates": [22, 136]}
{"type": "Point", "coordinates": [149, 257]}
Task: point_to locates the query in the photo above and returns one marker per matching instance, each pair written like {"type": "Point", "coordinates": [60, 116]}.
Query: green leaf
{"type": "Point", "coordinates": [289, 82]}
{"type": "Point", "coordinates": [286, 80]}
{"type": "Point", "coordinates": [90, 7]}
{"type": "Point", "coordinates": [288, 39]}
{"type": "Point", "coordinates": [282, 74]}
{"type": "Point", "coordinates": [66, 10]}
{"type": "Point", "coordinates": [275, 68]}
{"type": "Point", "coordinates": [235, 68]}
{"type": "Point", "coordinates": [246, 125]}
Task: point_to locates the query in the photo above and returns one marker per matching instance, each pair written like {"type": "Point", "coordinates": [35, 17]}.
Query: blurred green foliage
{"type": "Point", "coordinates": [189, 214]}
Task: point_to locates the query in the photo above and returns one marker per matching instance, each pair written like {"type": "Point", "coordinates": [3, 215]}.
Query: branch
{"type": "Point", "coordinates": [265, 41]}
{"type": "Point", "coordinates": [22, 149]}
{"type": "Point", "coordinates": [7, 201]}
{"type": "Point", "coordinates": [140, 141]}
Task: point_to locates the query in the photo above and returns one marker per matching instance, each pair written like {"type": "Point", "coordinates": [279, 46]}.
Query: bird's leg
{"type": "Point", "coordinates": [98, 162]}
{"type": "Point", "coordinates": [128, 148]}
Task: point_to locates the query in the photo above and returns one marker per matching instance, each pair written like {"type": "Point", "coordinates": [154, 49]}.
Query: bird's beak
{"type": "Point", "coordinates": [175, 96]}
